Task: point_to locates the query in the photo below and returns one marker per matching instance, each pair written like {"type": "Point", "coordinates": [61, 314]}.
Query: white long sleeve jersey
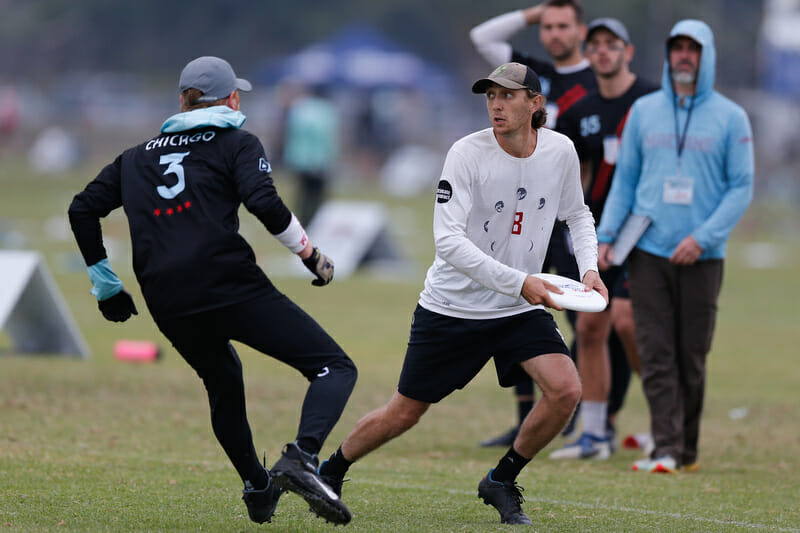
{"type": "Point", "coordinates": [492, 221]}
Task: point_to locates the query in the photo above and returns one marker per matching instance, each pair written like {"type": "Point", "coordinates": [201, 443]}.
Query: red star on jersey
{"type": "Point", "coordinates": [180, 208]}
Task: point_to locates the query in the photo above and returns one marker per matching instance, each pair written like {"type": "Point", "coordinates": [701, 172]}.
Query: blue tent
{"type": "Point", "coordinates": [357, 57]}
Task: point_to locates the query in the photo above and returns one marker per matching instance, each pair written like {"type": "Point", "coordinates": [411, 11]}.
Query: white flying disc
{"type": "Point", "coordinates": [575, 296]}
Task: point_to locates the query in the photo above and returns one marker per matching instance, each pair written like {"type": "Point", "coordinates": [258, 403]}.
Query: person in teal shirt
{"type": "Point", "coordinates": [686, 162]}
{"type": "Point", "coordinates": [311, 148]}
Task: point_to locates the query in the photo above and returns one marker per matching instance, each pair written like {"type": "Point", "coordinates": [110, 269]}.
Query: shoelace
{"type": "Point", "coordinates": [337, 483]}
{"type": "Point", "coordinates": [516, 491]}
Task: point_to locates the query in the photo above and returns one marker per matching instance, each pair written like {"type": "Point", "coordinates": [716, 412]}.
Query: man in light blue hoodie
{"type": "Point", "coordinates": [686, 163]}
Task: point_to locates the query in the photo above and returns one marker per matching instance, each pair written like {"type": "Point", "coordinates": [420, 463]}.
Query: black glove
{"type": "Point", "coordinates": [320, 266]}
{"type": "Point", "coordinates": [118, 308]}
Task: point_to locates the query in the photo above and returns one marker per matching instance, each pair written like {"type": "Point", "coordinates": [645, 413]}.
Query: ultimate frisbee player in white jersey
{"type": "Point", "coordinates": [501, 190]}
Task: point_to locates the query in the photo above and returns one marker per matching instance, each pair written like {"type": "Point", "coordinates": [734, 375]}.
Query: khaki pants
{"type": "Point", "coordinates": [675, 310]}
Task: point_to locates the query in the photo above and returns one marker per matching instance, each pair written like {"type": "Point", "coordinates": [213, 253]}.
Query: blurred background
{"type": "Point", "coordinates": [81, 81]}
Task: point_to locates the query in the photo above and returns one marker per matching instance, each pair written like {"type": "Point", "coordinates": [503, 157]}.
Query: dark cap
{"type": "Point", "coordinates": [673, 38]}
{"type": "Point", "coordinates": [510, 76]}
{"type": "Point", "coordinates": [611, 24]}
{"type": "Point", "coordinates": [213, 77]}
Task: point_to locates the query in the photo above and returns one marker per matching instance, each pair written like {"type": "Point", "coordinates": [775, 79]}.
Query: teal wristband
{"type": "Point", "coordinates": [105, 282]}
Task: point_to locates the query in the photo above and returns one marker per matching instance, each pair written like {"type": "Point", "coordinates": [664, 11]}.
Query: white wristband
{"type": "Point", "coordinates": [294, 236]}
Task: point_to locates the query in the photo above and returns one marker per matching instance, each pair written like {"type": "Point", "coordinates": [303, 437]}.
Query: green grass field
{"type": "Point", "coordinates": [100, 445]}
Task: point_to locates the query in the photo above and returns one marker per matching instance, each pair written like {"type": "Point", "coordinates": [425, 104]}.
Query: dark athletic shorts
{"type": "Point", "coordinates": [445, 353]}
{"type": "Point", "coordinates": [616, 281]}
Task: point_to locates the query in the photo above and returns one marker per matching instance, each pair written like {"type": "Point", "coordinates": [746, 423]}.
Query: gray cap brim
{"type": "Point", "coordinates": [483, 84]}
{"type": "Point", "coordinates": [243, 85]}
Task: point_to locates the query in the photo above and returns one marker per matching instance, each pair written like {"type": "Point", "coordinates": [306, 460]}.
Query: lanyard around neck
{"type": "Point", "coordinates": [680, 138]}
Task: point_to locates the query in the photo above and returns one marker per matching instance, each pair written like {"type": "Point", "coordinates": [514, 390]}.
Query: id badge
{"type": "Point", "coordinates": [610, 149]}
{"type": "Point", "coordinates": [678, 190]}
{"type": "Point", "coordinates": [552, 114]}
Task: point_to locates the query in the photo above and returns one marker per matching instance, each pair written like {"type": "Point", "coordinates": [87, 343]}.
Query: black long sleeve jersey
{"type": "Point", "coordinates": [595, 125]}
{"type": "Point", "coordinates": [181, 193]}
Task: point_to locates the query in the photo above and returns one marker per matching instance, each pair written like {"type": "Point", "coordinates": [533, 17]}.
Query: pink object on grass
{"type": "Point", "coordinates": [137, 351]}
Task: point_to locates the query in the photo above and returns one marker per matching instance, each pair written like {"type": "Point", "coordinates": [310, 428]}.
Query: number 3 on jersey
{"type": "Point", "coordinates": [175, 167]}
{"type": "Point", "coordinates": [516, 228]}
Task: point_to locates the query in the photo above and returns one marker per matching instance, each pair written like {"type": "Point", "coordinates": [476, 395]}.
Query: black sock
{"type": "Point", "coordinates": [524, 407]}
{"type": "Point", "coordinates": [258, 480]}
{"type": "Point", "coordinates": [509, 466]}
{"type": "Point", "coordinates": [336, 466]}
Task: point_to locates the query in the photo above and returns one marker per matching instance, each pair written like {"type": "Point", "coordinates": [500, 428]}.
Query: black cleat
{"type": "Point", "coordinates": [296, 471]}
{"type": "Point", "coordinates": [506, 439]}
{"type": "Point", "coordinates": [506, 497]}
{"type": "Point", "coordinates": [261, 503]}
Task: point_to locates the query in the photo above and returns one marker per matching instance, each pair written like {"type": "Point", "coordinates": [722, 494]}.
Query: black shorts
{"type": "Point", "coordinates": [445, 353]}
{"type": "Point", "coordinates": [616, 281]}
{"type": "Point", "coordinates": [271, 324]}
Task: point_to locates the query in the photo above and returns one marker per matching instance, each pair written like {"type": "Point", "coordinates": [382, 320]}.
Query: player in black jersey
{"type": "Point", "coordinates": [181, 192]}
{"type": "Point", "coordinates": [565, 80]}
{"type": "Point", "coordinates": [595, 124]}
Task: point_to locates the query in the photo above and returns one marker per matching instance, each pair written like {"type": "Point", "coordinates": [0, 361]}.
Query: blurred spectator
{"type": "Point", "coordinates": [54, 150]}
{"type": "Point", "coordinates": [9, 115]}
{"type": "Point", "coordinates": [686, 162]}
{"type": "Point", "coordinates": [311, 147]}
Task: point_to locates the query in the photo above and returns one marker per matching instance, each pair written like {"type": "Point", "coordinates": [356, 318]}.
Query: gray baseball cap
{"type": "Point", "coordinates": [611, 24]}
{"type": "Point", "coordinates": [510, 76]}
{"type": "Point", "coordinates": [212, 76]}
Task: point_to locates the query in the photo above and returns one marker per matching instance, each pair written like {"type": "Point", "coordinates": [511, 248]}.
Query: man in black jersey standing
{"type": "Point", "coordinates": [595, 124]}
{"type": "Point", "coordinates": [181, 191]}
{"type": "Point", "coordinates": [565, 80]}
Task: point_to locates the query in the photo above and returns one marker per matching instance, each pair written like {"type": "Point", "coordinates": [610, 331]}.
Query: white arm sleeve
{"type": "Point", "coordinates": [450, 234]}
{"type": "Point", "coordinates": [294, 236]}
{"type": "Point", "coordinates": [578, 216]}
{"type": "Point", "coordinates": [490, 38]}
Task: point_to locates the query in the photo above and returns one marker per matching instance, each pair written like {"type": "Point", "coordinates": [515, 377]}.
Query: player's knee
{"type": "Point", "coordinates": [568, 396]}
{"type": "Point", "coordinates": [342, 369]}
{"type": "Point", "coordinates": [346, 367]}
{"type": "Point", "coordinates": [351, 368]}
{"type": "Point", "coordinates": [590, 331]}
{"type": "Point", "coordinates": [402, 415]}
{"type": "Point", "coordinates": [624, 326]}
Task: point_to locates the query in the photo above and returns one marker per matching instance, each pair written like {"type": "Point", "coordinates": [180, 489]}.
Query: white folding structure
{"type": "Point", "coordinates": [352, 233]}
{"type": "Point", "coordinates": [33, 313]}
